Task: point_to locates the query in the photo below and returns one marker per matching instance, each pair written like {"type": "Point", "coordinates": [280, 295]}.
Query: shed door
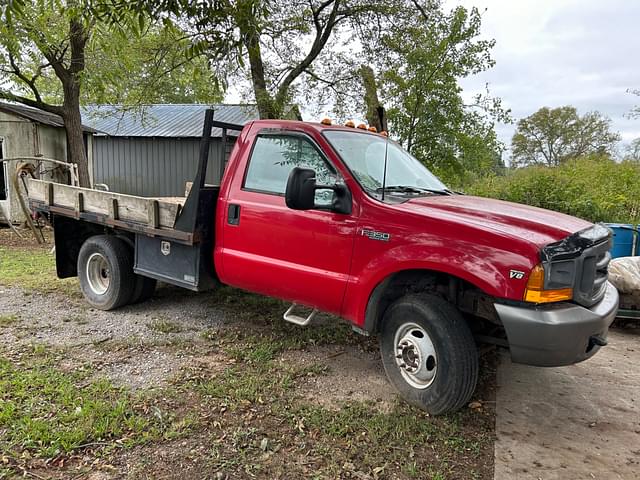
{"type": "Point", "coordinates": [4, 178]}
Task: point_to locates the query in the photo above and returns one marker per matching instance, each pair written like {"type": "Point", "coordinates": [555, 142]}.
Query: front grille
{"type": "Point", "coordinates": [592, 272]}
{"type": "Point", "coordinates": [580, 261]}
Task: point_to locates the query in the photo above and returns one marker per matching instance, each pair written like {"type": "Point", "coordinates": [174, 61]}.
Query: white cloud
{"type": "Point", "coordinates": [553, 53]}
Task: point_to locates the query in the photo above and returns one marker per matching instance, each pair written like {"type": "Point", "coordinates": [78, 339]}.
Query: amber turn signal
{"type": "Point", "coordinates": [535, 292]}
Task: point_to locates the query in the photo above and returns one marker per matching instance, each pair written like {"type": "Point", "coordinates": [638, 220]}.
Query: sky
{"type": "Point", "coordinates": [584, 53]}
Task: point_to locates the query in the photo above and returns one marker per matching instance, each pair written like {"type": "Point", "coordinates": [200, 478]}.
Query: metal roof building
{"type": "Point", "coordinates": [153, 150]}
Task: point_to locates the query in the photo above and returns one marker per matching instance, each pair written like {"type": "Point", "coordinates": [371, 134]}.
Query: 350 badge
{"type": "Point", "coordinates": [373, 235]}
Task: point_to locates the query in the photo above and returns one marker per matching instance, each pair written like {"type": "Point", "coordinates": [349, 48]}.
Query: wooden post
{"type": "Point", "coordinates": [154, 214]}
{"type": "Point", "coordinates": [79, 202]}
{"type": "Point", "coordinates": [113, 208]}
{"type": "Point", "coordinates": [48, 194]}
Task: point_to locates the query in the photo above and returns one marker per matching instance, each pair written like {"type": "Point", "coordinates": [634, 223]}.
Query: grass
{"type": "Point", "coordinates": [165, 326]}
{"type": "Point", "coordinates": [8, 320]}
{"type": "Point", "coordinates": [46, 413]}
{"type": "Point", "coordinates": [404, 440]}
{"type": "Point", "coordinates": [249, 419]}
{"type": "Point", "coordinates": [33, 270]}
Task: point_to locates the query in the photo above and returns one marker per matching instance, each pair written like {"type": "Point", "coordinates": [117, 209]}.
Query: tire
{"type": "Point", "coordinates": [443, 377]}
{"type": "Point", "coordinates": [144, 288]}
{"type": "Point", "coordinates": [105, 270]}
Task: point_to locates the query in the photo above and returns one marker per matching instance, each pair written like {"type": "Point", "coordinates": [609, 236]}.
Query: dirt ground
{"type": "Point", "coordinates": [254, 397]}
{"type": "Point", "coordinates": [581, 421]}
{"type": "Point", "coordinates": [261, 398]}
{"type": "Point", "coordinates": [131, 347]}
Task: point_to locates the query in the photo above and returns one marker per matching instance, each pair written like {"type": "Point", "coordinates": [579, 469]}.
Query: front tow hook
{"type": "Point", "coordinates": [596, 340]}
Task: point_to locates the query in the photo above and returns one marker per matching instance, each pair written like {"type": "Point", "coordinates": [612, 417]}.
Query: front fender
{"type": "Point", "coordinates": [486, 268]}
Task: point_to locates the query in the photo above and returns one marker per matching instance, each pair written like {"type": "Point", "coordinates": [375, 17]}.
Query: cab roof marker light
{"type": "Point", "coordinates": [326, 121]}
{"type": "Point", "coordinates": [350, 124]}
{"type": "Point", "coordinates": [362, 126]}
{"type": "Point", "coordinates": [372, 129]}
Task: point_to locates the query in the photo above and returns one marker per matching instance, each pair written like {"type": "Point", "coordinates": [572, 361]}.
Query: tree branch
{"type": "Point", "coordinates": [322, 36]}
{"type": "Point", "coordinates": [420, 9]}
{"type": "Point", "coordinates": [31, 82]}
{"type": "Point", "coordinates": [56, 110]}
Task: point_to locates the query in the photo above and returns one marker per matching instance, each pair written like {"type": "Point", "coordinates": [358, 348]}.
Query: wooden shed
{"type": "Point", "coordinates": [27, 132]}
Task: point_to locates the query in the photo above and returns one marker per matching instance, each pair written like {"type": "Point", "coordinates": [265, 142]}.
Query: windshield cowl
{"type": "Point", "coordinates": [411, 190]}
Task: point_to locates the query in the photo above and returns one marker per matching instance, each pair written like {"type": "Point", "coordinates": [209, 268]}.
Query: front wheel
{"type": "Point", "coordinates": [428, 353]}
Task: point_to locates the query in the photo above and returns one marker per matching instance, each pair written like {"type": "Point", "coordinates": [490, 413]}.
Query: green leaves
{"type": "Point", "coordinates": [552, 136]}
{"type": "Point", "coordinates": [595, 188]}
{"type": "Point", "coordinates": [424, 53]}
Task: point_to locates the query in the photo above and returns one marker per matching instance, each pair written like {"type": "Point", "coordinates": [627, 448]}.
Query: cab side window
{"type": "Point", "coordinates": [273, 158]}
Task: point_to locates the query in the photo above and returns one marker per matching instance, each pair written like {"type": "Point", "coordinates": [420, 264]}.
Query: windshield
{"type": "Point", "coordinates": [364, 155]}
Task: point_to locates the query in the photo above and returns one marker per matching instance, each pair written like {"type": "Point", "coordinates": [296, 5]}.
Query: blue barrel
{"type": "Point", "coordinates": [624, 238]}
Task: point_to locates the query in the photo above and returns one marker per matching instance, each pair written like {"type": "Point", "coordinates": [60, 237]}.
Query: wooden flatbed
{"type": "Point", "coordinates": [153, 216]}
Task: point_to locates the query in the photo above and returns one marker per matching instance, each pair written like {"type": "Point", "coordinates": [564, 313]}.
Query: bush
{"type": "Point", "coordinates": [594, 188]}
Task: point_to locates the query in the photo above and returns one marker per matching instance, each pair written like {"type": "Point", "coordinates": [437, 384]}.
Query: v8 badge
{"type": "Point", "coordinates": [516, 274]}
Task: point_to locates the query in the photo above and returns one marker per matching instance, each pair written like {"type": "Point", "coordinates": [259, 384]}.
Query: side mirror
{"type": "Point", "coordinates": [301, 189]}
{"type": "Point", "coordinates": [301, 192]}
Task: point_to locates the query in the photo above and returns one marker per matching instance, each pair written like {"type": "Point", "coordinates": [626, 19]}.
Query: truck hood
{"type": "Point", "coordinates": [522, 222]}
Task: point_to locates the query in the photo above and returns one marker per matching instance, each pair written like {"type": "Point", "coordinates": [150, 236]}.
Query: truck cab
{"type": "Point", "coordinates": [343, 220]}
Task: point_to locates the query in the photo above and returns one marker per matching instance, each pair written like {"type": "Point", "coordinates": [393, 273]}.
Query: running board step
{"type": "Point", "coordinates": [291, 317]}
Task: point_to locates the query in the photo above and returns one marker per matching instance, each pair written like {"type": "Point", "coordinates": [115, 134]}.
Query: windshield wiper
{"type": "Point", "coordinates": [411, 189]}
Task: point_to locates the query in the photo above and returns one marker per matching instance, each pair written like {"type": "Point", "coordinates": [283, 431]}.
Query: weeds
{"type": "Point", "coordinates": [8, 320]}
{"type": "Point", "coordinates": [33, 270]}
{"type": "Point", "coordinates": [48, 413]}
{"type": "Point", "coordinates": [165, 326]}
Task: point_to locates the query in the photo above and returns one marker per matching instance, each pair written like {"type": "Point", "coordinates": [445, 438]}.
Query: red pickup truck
{"type": "Point", "coordinates": [343, 220]}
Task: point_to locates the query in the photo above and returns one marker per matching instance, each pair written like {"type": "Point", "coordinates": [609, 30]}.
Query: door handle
{"type": "Point", "coordinates": [233, 217]}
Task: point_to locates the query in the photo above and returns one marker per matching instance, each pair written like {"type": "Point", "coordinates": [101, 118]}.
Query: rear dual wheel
{"type": "Point", "coordinates": [429, 353]}
{"type": "Point", "coordinates": [105, 271]}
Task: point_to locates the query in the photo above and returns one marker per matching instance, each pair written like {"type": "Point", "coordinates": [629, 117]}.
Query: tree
{"type": "Point", "coordinates": [296, 51]}
{"type": "Point", "coordinates": [59, 54]}
{"type": "Point", "coordinates": [420, 57]}
{"type": "Point", "coordinates": [152, 67]}
{"type": "Point", "coordinates": [553, 136]}
{"type": "Point", "coordinates": [38, 36]}
{"type": "Point", "coordinates": [291, 39]}
{"type": "Point", "coordinates": [276, 43]}
{"type": "Point", "coordinates": [632, 151]}
{"type": "Point", "coordinates": [375, 114]}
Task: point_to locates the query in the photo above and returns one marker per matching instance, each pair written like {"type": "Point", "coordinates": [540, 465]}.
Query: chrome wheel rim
{"type": "Point", "coordinates": [98, 273]}
{"type": "Point", "coordinates": [415, 355]}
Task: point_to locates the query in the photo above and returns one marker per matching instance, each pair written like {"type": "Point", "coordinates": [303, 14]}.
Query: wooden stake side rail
{"type": "Point", "coordinates": [152, 216]}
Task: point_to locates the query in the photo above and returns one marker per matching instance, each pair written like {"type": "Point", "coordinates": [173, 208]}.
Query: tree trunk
{"type": "Point", "coordinates": [264, 101]}
{"type": "Point", "coordinates": [375, 111]}
{"type": "Point", "coordinates": [76, 152]}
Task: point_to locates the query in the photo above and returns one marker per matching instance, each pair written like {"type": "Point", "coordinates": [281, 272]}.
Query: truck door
{"type": "Point", "coordinates": [301, 256]}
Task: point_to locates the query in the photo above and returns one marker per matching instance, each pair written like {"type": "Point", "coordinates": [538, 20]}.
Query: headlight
{"type": "Point", "coordinates": [561, 276]}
